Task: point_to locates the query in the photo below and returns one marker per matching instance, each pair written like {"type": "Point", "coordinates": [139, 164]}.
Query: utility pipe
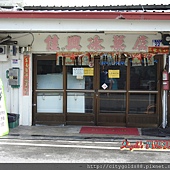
{"type": "Point", "coordinates": [164, 100]}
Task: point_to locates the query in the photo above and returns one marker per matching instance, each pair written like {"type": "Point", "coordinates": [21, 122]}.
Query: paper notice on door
{"type": "Point", "coordinates": [88, 71]}
{"type": "Point", "coordinates": [4, 128]}
{"type": "Point", "coordinates": [114, 73]}
{"type": "Point", "coordinates": [78, 71]}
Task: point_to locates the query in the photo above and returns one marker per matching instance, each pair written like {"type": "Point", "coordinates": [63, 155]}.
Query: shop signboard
{"type": "Point", "coordinates": [4, 129]}
{"type": "Point", "coordinates": [159, 50]}
{"type": "Point", "coordinates": [26, 75]}
{"type": "Point", "coordinates": [92, 42]}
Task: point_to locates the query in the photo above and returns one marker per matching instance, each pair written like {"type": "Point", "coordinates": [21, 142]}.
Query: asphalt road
{"type": "Point", "coordinates": [62, 151]}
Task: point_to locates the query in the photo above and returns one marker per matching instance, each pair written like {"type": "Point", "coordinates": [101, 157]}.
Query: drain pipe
{"type": "Point", "coordinates": [164, 100]}
{"type": "Point", "coordinates": [164, 104]}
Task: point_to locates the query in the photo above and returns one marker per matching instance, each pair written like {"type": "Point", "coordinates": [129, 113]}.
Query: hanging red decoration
{"type": "Point", "coordinates": [89, 56]}
{"type": "Point", "coordinates": [72, 57]}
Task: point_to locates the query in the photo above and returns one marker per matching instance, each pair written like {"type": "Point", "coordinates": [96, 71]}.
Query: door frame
{"type": "Point", "coordinates": [148, 120]}
{"type": "Point", "coordinates": [45, 118]}
{"type": "Point", "coordinates": [96, 118]}
{"type": "Point", "coordinates": [130, 120]}
{"type": "Point", "coordinates": [64, 118]}
{"type": "Point", "coordinates": [105, 119]}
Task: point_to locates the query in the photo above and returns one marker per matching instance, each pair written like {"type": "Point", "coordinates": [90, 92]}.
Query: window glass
{"type": "Point", "coordinates": [49, 102]}
{"type": "Point", "coordinates": [79, 81]}
{"type": "Point", "coordinates": [112, 103]}
{"type": "Point", "coordinates": [113, 72]}
{"type": "Point", "coordinates": [79, 102]}
{"type": "Point", "coordinates": [49, 75]}
{"type": "Point", "coordinates": [143, 77]}
{"type": "Point", "coordinates": [142, 104]}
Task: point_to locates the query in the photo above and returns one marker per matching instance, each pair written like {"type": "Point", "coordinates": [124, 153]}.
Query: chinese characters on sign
{"type": "Point", "coordinates": [52, 43]}
{"type": "Point", "coordinates": [26, 76]}
{"type": "Point", "coordinates": [4, 129]}
{"type": "Point", "coordinates": [162, 50]}
{"type": "Point", "coordinates": [95, 43]}
{"type": "Point", "coordinates": [73, 43]}
{"type": "Point", "coordinates": [118, 43]}
{"type": "Point", "coordinates": [141, 43]}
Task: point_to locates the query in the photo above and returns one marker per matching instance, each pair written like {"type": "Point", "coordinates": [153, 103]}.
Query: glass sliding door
{"type": "Point", "coordinates": [48, 90]}
{"type": "Point", "coordinates": [112, 91]}
{"type": "Point", "coordinates": [144, 94]}
{"type": "Point", "coordinates": [105, 92]}
{"type": "Point", "coordinates": [80, 94]}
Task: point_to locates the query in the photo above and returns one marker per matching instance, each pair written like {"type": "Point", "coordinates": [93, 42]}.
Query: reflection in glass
{"type": "Point", "coordinates": [143, 77]}
{"type": "Point", "coordinates": [142, 104]}
{"type": "Point", "coordinates": [112, 103]}
{"type": "Point", "coordinates": [118, 83]}
{"type": "Point", "coordinates": [49, 75]}
{"type": "Point", "coordinates": [76, 82]}
{"type": "Point", "coordinates": [50, 103]}
{"type": "Point", "coordinates": [80, 102]}
{"type": "Point", "coordinates": [88, 82]}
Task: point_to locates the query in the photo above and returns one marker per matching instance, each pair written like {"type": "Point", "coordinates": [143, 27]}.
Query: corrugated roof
{"type": "Point", "coordinates": [130, 12]}
{"type": "Point", "coordinates": [124, 8]}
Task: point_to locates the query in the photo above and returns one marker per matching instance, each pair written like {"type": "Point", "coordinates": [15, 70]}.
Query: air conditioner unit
{"type": "Point", "coordinates": [3, 53]}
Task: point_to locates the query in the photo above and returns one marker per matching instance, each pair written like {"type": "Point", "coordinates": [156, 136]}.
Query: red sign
{"type": "Point", "coordinates": [159, 50]}
{"type": "Point", "coordinates": [26, 76]}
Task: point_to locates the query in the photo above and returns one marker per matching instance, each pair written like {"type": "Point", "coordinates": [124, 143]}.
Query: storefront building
{"type": "Point", "coordinates": [85, 68]}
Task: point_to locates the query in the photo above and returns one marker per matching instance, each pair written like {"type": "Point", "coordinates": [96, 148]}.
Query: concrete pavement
{"type": "Point", "coordinates": [70, 132]}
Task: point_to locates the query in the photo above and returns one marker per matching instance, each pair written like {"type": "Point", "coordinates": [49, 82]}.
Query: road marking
{"type": "Point", "coordinates": [78, 146]}
{"type": "Point", "coordinates": [59, 146]}
{"type": "Point", "coordinates": [67, 141]}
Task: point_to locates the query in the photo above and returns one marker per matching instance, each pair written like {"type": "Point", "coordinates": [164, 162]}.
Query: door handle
{"type": "Point", "coordinates": [96, 92]}
{"type": "Point", "coordinates": [75, 96]}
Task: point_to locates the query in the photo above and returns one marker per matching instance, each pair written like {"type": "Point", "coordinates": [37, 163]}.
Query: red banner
{"type": "Point", "coordinates": [158, 50]}
{"type": "Point", "coordinates": [26, 76]}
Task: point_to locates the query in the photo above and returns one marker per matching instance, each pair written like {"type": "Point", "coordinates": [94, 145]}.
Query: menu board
{"type": "Point", "coordinates": [4, 129]}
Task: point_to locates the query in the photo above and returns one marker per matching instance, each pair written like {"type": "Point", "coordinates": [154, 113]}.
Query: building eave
{"type": "Point", "coordinates": [87, 15]}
